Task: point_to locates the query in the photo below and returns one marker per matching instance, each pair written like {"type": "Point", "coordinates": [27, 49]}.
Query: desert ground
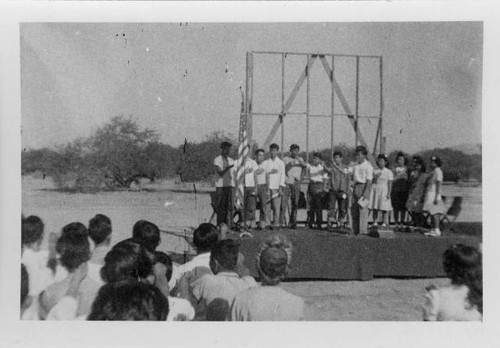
{"type": "Point", "coordinates": [166, 204]}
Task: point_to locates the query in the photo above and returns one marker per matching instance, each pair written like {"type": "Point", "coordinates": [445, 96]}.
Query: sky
{"type": "Point", "coordinates": [184, 80]}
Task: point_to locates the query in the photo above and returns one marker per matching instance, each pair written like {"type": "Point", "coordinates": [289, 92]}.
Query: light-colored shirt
{"type": "Point", "coordinates": [266, 303]}
{"type": "Point", "coordinates": [40, 277]}
{"type": "Point", "coordinates": [275, 180]}
{"type": "Point", "coordinates": [227, 180]}
{"type": "Point", "coordinates": [261, 178]}
{"type": "Point", "coordinates": [200, 260]}
{"type": "Point", "coordinates": [363, 172]}
{"type": "Point", "coordinates": [98, 255]}
{"type": "Point", "coordinates": [294, 172]}
{"type": "Point", "coordinates": [316, 173]}
{"type": "Point", "coordinates": [223, 286]}
{"type": "Point", "coordinates": [250, 164]}
{"type": "Point", "coordinates": [179, 309]}
{"type": "Point", "coordinates": [449, 304]}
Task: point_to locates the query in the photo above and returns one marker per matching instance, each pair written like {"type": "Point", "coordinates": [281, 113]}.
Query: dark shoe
{"type": "Point", "coordinates": [292, 226]}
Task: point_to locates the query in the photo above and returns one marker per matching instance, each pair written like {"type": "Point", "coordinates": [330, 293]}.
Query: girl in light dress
{"type": "Point", "coordinates": [462, 299]}
{"type": "Point", "coordinates": [380, 198]}
{"type": "Point", "coordinates": [433, 202]}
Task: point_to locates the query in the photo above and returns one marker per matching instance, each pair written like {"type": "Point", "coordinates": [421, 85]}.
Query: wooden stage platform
{"type": "Point", "coordinates": [319, 254]}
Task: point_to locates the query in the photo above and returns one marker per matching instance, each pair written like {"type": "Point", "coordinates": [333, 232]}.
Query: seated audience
{"type": "Point", "coordinates": [26, 299]}
{"type": "Point", "coordinates": [100, 233]}
{"type": "Point", "coordinates": [179, 309]}
{"type": "Point", "coordinates": [73, 250]}
{"type": "Point", "coordinates": [216, 292]}
{"type": "Point", "coordinates": [269, 302]}
{"type": "Point", "coordinates": [462, 300]}
{"type": "Point", "coordinates": [148, 233]}
{"type": "Point", "coordinates": [34, 259]}
{"type": "Point", "coordinates": [129, 300]}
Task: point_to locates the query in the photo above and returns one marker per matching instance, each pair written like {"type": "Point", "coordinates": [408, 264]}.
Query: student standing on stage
{"type": "Point", "coordinates": [262, 193]}
{"type": "Point", "coordinates": [380, 199]}
{"type": "Point", "coordinates": [339, 190]}
{"type": "Point", "coordinates": [399, 193]}
{"type": "Point", "coordinates": [275, 169]}
{"type": "Point", "coordinates": [293, 169]}
{"type": "Point", "coordinates": [362, 177]}
{"type": "Point", "coordinates": [250, 192]}
{"type": "Point", "coordinates": [317, 178]}
{"type": "Point", "coordinates": [224, 185]}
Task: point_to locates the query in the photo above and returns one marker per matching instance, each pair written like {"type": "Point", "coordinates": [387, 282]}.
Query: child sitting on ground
{"type": "Point", "coordinates": [269, 302]}
{"type": "Point", "coordinates": [215, 293]}
{"type": "Point", "coordinates": [462, 300]}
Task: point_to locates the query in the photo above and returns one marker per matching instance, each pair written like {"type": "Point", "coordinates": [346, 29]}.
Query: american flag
{"type": "Point", "coordinates": [243, 148]}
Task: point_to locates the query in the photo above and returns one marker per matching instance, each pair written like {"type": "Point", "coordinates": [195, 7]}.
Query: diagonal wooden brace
{"type": "Point", "coordinates": [289, 101]}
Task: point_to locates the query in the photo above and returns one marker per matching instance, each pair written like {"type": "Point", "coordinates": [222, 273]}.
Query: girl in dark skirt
{"type": "Point", "coordinates": [399, 193]}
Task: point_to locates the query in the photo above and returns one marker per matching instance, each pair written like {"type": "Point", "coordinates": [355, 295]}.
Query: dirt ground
{"type": "Point", "coordinates": [380, 299]}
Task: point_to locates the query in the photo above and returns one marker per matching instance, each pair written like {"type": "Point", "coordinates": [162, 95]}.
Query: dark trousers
{"type": "Point", "coordinates": [290, 200]}
{"type": "Point", "coordinates": [250, 203]}
{"type": "Point", "coordinates": [336, 199]}
{"type": "Point", "coordinates": [359, 214]}
{"type": "Point", "coordinates": [224, 205]}
{"type": "Point", "coordinates": [316, 195]}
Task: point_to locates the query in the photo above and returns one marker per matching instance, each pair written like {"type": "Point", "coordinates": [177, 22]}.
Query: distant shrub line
{"type": "Point", "coordinates": [120, 152]}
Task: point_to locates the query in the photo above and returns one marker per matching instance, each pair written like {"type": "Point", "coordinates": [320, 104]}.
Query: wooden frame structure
{"type": "Point", "coordinates": [286, 103]}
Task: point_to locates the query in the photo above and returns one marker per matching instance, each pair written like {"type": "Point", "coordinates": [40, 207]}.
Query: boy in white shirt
{"type": "Point", "coordinates": [275, 169]}
{"type": "Point", "coordinates": [261, 189]}
{"type": "Point", "coordinates": [293, 166]}
{"type": "Point", "coordinates": [317, 178]}
{"type": "Point", "coordinates": [224, 185]}
{"type": "Point", "coordinates": [362, 178]}
{"type": "Point", "coordinates": [250, 192]}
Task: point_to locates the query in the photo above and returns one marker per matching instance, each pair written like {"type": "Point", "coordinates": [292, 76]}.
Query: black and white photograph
{"type": "Point", "coordinates": [217, 168]}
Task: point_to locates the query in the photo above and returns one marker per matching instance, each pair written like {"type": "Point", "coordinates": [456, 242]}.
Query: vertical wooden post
{"type": "Point", "coordinates": [307, 107]}
{"type": "Point", "coordinates": [357, 103]}
{"type": "Point", "coordinates": [382, 148]}
{"type": "Point", "coordinates": [333, 107]}
{"type": "Point", "coordinates": [282, 103]}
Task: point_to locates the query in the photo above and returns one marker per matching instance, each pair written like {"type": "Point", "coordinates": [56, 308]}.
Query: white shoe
{"type": "Point", "coordinates": [433, 233]}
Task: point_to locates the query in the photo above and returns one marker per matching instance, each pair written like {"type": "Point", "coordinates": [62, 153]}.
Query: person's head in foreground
{"type": "Point", "coordinates": [273, 150]}
{"type": "Point", "coordinates": [166, 261]}
{"type": "Point", "coordinates": [382, 161]}
{"type": "Point", "coordinates": [463, 265]}
{"type": "Point", "coordinates": [361, 153]}
{"type": "Point", "coordinates": [128, 260]}
{"type": "Point", "coordinates": [273, 259]}
{"type": "Point", "coordinates": [100, 230]}
{"type": "Point", "coordinates": [205, 237]}
{"type": "Point", "coordinates": [129, 300]}
{"type": "Point", "coordinates": [148, 233]}
{"type": "Point", "coordinates": [32, 232]}
{"type": "Point", "coordinates": [224, 256]}
{"type": "Point", "coordinates": [75, 228]}
{"type": "Point", "coordinates": [73, 250]}
{"type": "Point", "coordinates": [225, 148]}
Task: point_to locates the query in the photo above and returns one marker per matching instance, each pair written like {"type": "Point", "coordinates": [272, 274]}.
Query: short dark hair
{"type": "Point", "coordinates": [317, 155]}
{"type": "Point", "coordinates": [128, 259]}
{"type": "Point", "coordinates": [75, 228]}
{"type": "Point", "coordinates": [225, 144]}
{"type": "Point", "coordinates": [31, 229]}
{"type": "Point", "coordinates": [294, 146]}
{"type": "Point", "coordinates": [129, 300]}
{"type": "Point", "coordinates": [205, 236]}
{"type": "Point", "coordinates": [384, 157]}
{"type": "Point", "coordinates": [437, 160]}
{"type": "Point", "coordinates": [338, 153]}
{"type": "Point", "coordinates": [163, 258]}
{"type": "Point", "coordinates": [25, 284]}
{"type": "Point", "coordinates": [361, 149]}
{"type": "Point", "coordinates": [274, 146]}
{"type": "Point", "coordinates": [99, 228]}
{"type": "Point", "coordinates": [226, 253]}
{"type": "Point", "coordinates": [148, 233]}
{"type": "Point", "coordinates": [73, 250]}
{"type": "Point", "coordinates": [259, 150]}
